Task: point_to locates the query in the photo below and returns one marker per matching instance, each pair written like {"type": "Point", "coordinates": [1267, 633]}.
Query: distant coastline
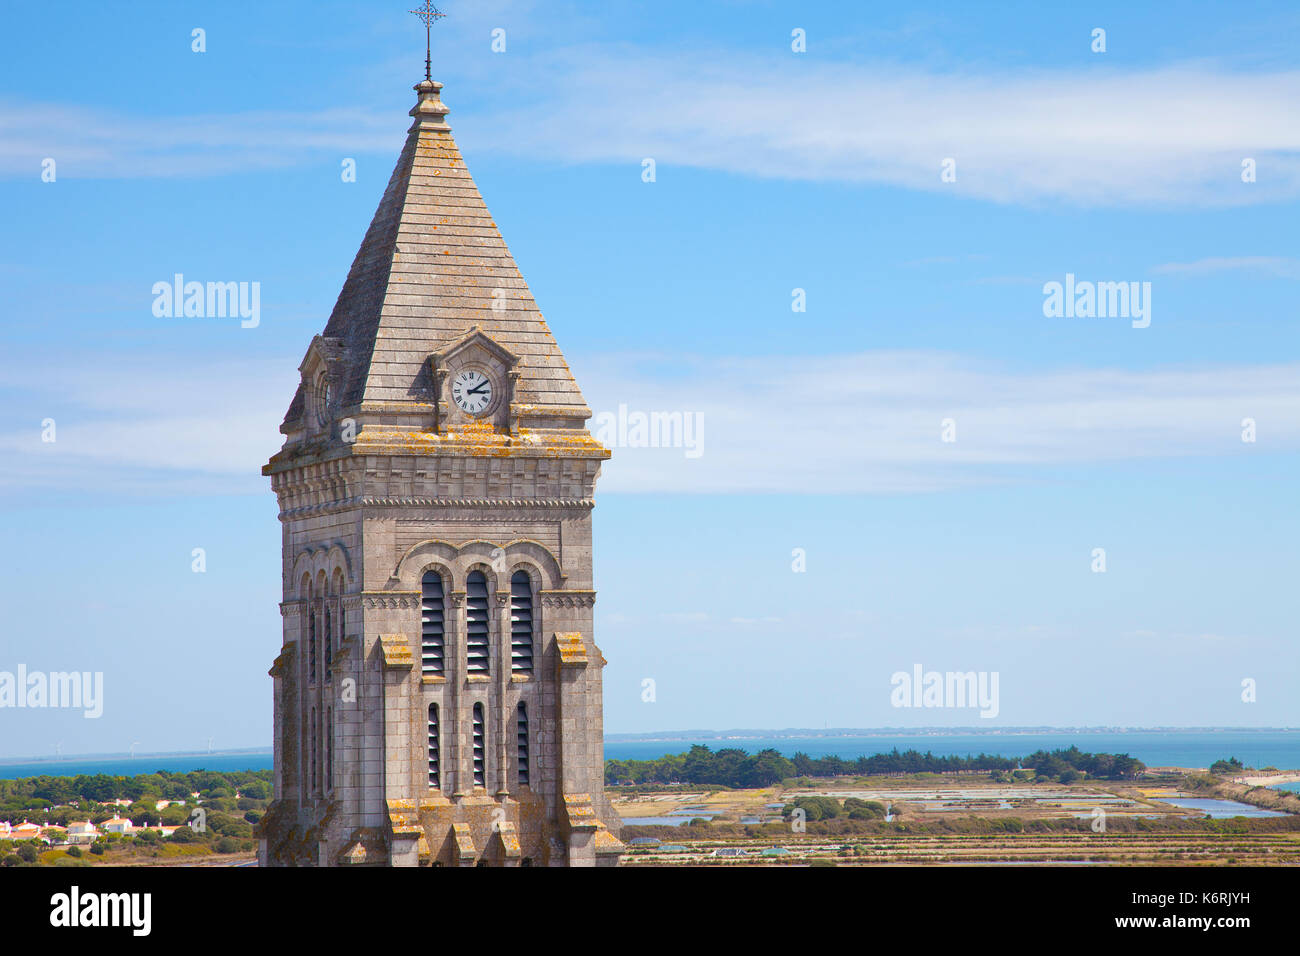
{"type": "Point", "coordinates": [737, 734]}
{"type": "Point", "coordinates": [1188, 747]}
{"type": "Point", "coordinates": [126, 755]}
{"type": "Point", "coordinates": [861, 732]}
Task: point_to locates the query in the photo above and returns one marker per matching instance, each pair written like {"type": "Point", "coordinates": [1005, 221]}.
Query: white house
{"type": "Point", "coordinates": [82, 832]}
{"type": "Point", "coordinates": [25, 831]}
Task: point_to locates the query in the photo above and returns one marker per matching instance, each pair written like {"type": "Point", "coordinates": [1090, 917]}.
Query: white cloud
{"type": "Point", "coordinates": [1175, 135]}
{"type": "Point", "coordinates": [865, 423]}
{"type": "Point", "coordinates": [1279, 266]}
{"type": "Point", "coordinates": [871, 422]}
{"type": "Point", "coordinates": [119, 145]}
{"type": "Point", "coordinates": [169, 425]}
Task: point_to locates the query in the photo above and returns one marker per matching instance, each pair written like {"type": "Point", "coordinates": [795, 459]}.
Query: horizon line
{"type": "Point", "coordinates": [731, 733]}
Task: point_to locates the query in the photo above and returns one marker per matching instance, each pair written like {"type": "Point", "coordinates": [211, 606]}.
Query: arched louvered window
{"type": "Point", "coordinates": [431, 623]}
{"type": "Point", "coordinates": [435, 779]}
{"type": "Point", "coordinates": [521, 723]}
{"type": "Point", "coordinates": [315, 752]}
{"type": "Point", "coordinates": [476, 625]}
{"type": "Point", "coordinates": [480, 747]}
{"type": "Point", "coordinates": [521, 623]}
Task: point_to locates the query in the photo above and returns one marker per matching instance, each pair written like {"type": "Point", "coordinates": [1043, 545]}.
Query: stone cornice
{"type": "Point", "coordinates": [567, 598]}
{"type": "Point", "coordinates": [372, 600]}
{"type": "Point", "coordinates": [406, 502]}
{"type": "Point", "coordinates": [403, 501]}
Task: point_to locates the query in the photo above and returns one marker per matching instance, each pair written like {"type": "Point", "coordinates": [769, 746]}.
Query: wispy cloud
{"type": "Point", "coordinates": [119, 145]}
{"type": "Point", "coordinates": [1278, 266]}
{"type": "Point", "coordinates": [871, 423]}
{"type": "Point", "coordinates": [1173, 136]}
{"type": "Point", "coordinates": [172, 424]}
{"type": "Point", "coordinates": [866, 423]}
{"type": "Point", "coordinates": [1097, 136]}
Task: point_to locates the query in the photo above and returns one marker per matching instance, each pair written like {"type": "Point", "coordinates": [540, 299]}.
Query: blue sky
{"type": "Point", "coordinates": [775, 170]}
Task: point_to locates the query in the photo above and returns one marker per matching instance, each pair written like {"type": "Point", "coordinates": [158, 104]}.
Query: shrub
{"type": "Point", "coordinates": [864, 809]}
{"type": "Point", "coordinates": [98, 848]}
{"type": "Point", "coordinates": [74, 851]}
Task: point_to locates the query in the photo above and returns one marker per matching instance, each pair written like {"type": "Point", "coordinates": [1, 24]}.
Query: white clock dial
{"type": "Point", "coordinates": [471, 390]}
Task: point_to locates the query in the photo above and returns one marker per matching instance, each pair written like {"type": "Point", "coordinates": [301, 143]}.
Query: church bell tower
{"type": "Point", "coordinates": [437, 696]}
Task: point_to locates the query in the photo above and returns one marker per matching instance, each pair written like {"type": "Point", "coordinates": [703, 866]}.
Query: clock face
{"type": "Point", "coordinates": [472, 391]}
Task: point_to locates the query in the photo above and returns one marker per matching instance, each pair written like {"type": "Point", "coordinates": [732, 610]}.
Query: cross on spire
{"type": "Point", "coordinates": [428, 15]}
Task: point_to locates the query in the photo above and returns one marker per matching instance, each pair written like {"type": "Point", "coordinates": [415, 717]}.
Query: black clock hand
{"type": "Point", "coordinates": [478, 388]}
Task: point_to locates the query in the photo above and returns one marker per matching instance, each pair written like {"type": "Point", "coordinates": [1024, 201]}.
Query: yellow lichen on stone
{"type": "Point", "coordinates": [397, 651]}
{"type": "Point", "coordinates": [572, 651]}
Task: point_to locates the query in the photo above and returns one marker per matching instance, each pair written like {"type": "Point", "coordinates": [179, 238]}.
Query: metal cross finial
{"type": "Point", "coordinates": [428, 15]}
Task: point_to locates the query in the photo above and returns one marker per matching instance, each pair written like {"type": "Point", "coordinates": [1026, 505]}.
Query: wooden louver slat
{"type": "Point", "coordinates": [521, 623]}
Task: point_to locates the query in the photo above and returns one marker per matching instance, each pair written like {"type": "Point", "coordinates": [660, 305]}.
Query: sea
{"type": "Point", "coordinates": [127, 766]}
{"type": "Point", "coordinates": [1155, 748]}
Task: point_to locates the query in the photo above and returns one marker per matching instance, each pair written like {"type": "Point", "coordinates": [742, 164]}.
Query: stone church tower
{"type": "Point", "coordinates": [438, 691]}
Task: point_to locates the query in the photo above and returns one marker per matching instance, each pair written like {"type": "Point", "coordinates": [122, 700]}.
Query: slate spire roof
{"type": "Point", "coordinates": [433, 265]}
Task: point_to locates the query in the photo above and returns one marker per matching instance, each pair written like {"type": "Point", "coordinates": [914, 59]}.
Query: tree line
{"type": "Point", "coordinates": [732, 767]}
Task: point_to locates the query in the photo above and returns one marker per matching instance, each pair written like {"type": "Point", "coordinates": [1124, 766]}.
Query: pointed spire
{"type": "Point", "coordinates": [432, 266]}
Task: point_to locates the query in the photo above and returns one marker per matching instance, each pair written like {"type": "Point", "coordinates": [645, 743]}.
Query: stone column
{"type": "Point", "coordinates": [459, 758]}
{"type": "Point", "coordinates": [503, 685]}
